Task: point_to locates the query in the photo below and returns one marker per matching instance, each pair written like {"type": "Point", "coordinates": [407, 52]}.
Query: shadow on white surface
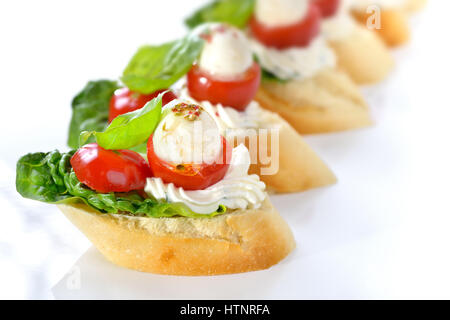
{"type": "Point", "coordinates": [92, 277]}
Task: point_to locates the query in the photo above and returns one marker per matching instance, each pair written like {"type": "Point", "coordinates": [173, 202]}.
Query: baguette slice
{"type": "Point", "coordinates": [363, 56]}
{"type": "Point", "coordinates": [299, 167]}
{"type": "Point", "coordinates": [415, 5]}
{"type": "Point", "coordinates": [328, 102]}
{"type": "Point", "coordinates": [239, 241]}
{"type": "Point", "coordinates": [394, 29]}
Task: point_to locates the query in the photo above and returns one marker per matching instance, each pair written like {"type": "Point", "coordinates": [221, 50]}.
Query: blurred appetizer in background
{"type": "Point", "coordinates": [213, 67]}
{"type": "Point", "coordinates": [300, 78]}
{"type": "Point", "coordinates": [359, 51]}
{"type": "Point", "coordinates": [388, 18]}
{"type": "Point", "coordinates": [189, 208]}
{"type": "Point", "coordinates": [413, 6]}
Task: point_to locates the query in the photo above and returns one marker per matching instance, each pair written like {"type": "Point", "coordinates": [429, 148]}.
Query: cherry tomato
{"type": "Point", "coordinates": [236, 93]}
{"type": "Point", "coordinates": [327, 8]}
{"type": "Point", "coordinates": [124, 101]}
{"type": "Point", "coordinates": [299, 34]}
{"type": "Point", "coordinates": [190, 176]}
{"type": "Point", "coordinates": [110, 170]}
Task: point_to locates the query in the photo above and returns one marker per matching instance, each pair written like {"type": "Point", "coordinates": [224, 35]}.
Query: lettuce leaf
{"type": "Point", "coordinates": [48, 177]}
{"type": "Point", "coordinates": [90, 109]}
{"type": "Point", "coordinates": [233, 12]}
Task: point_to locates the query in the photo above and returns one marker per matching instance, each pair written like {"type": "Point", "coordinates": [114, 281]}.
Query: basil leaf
{"type": "Point", "coordinates": [129, 129]}
{"type": "Point", "coordinates": [90, 109]}
{"type": "Point", "coordinates": [269, 76]}
{"type": "Point", "coordinates": [48, 177]}
{"type": "Point", "coordinates": [233, 12]}
{"type": "Point", "coordinates": [142, 149]}
{"type": "Point", "coordinates": [158, 67]}
{"type": "Point", "coordinates": [266, 75]}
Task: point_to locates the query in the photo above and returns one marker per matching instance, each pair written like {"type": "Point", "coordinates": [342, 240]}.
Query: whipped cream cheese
{"type": "Point", "coordinates": [296, 62]}
{"type": "Point", "coordinates": [340, 25]}
{"type": "Point", "coordinates": [237, 190]}
{"type": "Point", "coordinates": [226, 53]}
{"type": "Point", "coordinates": [231, 121]}
{"type": "Point", "coordinates": [362, 5]}
{"type": "Point", "coordinates": [176, 138]}
{"type": "Point", "coordinates": [275, 13]}
{"type": "Point", "coordinates": [230, 118]}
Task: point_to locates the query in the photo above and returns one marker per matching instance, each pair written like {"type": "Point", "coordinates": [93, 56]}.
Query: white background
{"type": "Point", "coordinates": [382, 232]}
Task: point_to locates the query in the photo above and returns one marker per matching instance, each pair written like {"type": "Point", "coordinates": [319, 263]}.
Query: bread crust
{"type": "Point", "coordinates": [413, 6]}
{"type": "Point", "coordinates": [328, 102]}
{"type": "Point", "coordinates": [394, 29]}
{"type": "Point", "coordinates": [363, 56]}
{"type": "Point", "coordinates": [299, 166]}
{"type": "Point", "coordinates": [241, 241]}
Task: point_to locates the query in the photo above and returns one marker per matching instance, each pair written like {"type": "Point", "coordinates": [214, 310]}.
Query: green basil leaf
{"type": "Point", "coordinates": [266, 75]}
{"type": "Point", "coordinates": [142, 149]}
{"type": "Point", "coordinates": [90, 109]}
{"type": "Point", "coordinates": [48, 177]}
{"type": "Point", "coordinates": [269, 76]}
{"type": "Point", "coordinates": [158, 67]}
{"type": "Point", "coordinates": [129, 129]}
{"type": "Point", "coordinates": [234, 12]}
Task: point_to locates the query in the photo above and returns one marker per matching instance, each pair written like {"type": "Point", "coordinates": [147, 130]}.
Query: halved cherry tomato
{"type": "Point", "coordinates": [299, 34]}
{"type": "Point", "coordinates": [110, 170]}
{"type": "Point", "coordinates": [124, 100]}
{"type": "Point", "coordinates": [236, 93]}
{"type": "Point", "coordinates": [190, 176]}
{"type": "Point", "coordinates": [327, 8]}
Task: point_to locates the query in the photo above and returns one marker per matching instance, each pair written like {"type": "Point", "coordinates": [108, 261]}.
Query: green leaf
{"type": "Point", "coordinates": [142, 149]}
{"type": "Point", "coordinates": [234, 12]}
{"type": "Point", "coordinates": [38, 178]}
{"type": "Point", "coordinates": [48, 177]}
{"type": "Point", "coordinates": [266, 75]}
{"type": "Point", "coordinates": [269, 76]}
{"type": "Point", "coordinates": [158, 67]}
{"type": "Point", "coordinates": [90, 109]}
{"type": "Point", "coordinates": [130, 129]}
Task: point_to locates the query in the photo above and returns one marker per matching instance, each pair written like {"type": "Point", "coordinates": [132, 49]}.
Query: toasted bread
{"type": "Point", "coordinates": [328, 102]}
{"type": "Point", "coordinates": [239, 241]}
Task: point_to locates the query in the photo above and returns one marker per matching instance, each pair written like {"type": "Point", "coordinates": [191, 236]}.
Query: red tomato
{"type": "Point", "coordinates": [110, 170]}
{"type": "Point", "coordinates": [327, 7]}
{"type": "Point", "coordinates": [299, 34]}
{"type": "Point", "coordinates": [124, 101]}
{"type": "Point", "coordinates": [236, 93]}
{"type": "Point", "coordinates": [189, 176]}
